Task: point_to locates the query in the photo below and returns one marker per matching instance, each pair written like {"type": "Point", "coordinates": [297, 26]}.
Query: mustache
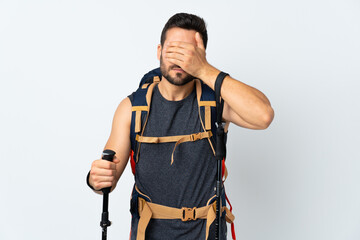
{"type": "Point", "coordinates": [174, 66]}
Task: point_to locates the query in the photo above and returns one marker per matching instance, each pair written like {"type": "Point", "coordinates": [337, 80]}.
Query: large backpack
{"type": "Point", "coordinates": [141, 104]}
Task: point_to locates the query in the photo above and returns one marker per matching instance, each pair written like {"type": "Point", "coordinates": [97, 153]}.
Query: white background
{"type": "Point", "coordinates": [66, 65]}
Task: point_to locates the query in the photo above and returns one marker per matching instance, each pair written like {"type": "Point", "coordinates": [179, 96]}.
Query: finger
{"type": "Point", "coordinates": [116, 160]}
{"type": "Point", "coordinates": [100, 182]}
{"type": "Point", "coordinates": [100, 185]}
{"type": "Point", "coordinates": [104, 179]}
{"type": "Point", "coordinates": [105, 164]}
{"type": "Point", "coordinates": [177, 56]}
{"type": "Point", "coordinates": [175, 50]}
{"type": "Point", "coordinates": [199, 41]}
{"type": "Point", "coordinates": [180, 44]}
{"type": "Point", "coordinates": [175, 61]}
{"type": "Point", "coordinates": [99, 172]}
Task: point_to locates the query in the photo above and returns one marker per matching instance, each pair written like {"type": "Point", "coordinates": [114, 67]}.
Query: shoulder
{"type": "Point", "coordinates": [123, 112]}
{"type": "Point", "coordinates": [124, 105]}
{"type": "Point", "coordinates": [119, 137]}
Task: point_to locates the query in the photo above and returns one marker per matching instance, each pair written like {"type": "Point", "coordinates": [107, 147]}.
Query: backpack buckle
{"type": "Point", "coordinates": [188, 214]}
{"type": "Point", "coordinates": [195, 136]}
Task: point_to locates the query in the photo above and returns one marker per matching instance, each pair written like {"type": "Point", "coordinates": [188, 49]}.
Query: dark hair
{"type": "Point", "coordinates": [186, 21]}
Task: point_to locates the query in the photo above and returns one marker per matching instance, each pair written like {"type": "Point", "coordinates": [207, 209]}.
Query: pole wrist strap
{"type": "Point", "coordinates": [87, 181]}
{"type": "Point", "coordinates": [219, 102]}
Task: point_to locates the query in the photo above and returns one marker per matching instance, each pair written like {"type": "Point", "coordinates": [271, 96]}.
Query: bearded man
{"type": "Point", "coordinates": [170, 177]}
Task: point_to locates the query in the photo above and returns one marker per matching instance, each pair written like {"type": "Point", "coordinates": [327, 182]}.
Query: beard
{"type": "Point", "coordinates": [180, 79]}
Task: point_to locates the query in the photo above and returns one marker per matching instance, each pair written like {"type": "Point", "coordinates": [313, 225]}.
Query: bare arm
{"type": "Point", "coordinates": [104, 173]}
{"type": "Point", "coordinates": [244, 105]}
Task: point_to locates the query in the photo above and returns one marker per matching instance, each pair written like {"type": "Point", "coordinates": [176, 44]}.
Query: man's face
{"type": "Point", "coordinates": [173, 73]}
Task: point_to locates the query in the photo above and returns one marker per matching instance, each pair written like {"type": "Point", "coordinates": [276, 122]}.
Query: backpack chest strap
{"type": "Point", "coordinates": [178, 139]}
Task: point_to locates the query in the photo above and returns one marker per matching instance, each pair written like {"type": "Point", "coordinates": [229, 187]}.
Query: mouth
{"type": "Point", "coordinates": [177, 69]}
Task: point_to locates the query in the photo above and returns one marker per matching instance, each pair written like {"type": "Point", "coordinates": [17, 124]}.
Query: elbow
{"type": "Point", "coordinates": [267, 118]}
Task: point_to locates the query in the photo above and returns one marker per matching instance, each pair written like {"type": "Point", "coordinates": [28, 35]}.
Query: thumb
{"type": "Point", "coordinates": [116, 160]}
{"type": "Point", "coordinates": [199, 41]}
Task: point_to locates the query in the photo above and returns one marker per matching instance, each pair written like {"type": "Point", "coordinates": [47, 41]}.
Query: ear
{"type": "Point", "coordinates": [199, 41]}
{"type": "Point", "coordinates": [159, 48]}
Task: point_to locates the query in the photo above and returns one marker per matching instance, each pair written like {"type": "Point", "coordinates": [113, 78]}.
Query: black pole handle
{"type": "Point", "coordinates": [109, 156]}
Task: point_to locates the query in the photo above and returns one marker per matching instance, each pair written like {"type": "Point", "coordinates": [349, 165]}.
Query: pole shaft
{"type": "Point", "coordinates": [218, 200]}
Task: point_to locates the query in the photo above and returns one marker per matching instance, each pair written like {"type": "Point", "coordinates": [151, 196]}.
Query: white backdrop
{"type": "Point", "coordinates": [66, 65]}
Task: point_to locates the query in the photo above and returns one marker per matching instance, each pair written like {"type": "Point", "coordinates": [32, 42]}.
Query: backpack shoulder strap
{"type": "Point", "coordinates": [141, 102]}
{"type": "Point", "coordinates": [207, 109]}
{"type": "Point", "coordinates": [208, 105]}
{"type": "Point", "coordinates": [150, 77]}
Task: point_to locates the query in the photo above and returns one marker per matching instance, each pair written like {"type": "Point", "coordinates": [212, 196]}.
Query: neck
{"type": "Point", "coordinates": [173, 92]}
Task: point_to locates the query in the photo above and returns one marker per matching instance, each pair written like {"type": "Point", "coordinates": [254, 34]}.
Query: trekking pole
{"type": "Point", "coordinates": [109, 156]}
{"type": "Point", "coordinates": [220, 154]}
{"type": "Point", "coordinates": [220, 150]}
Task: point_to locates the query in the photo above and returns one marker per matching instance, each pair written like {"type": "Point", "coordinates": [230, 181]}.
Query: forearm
{"type": "Point", "coordinates": [247, 102]}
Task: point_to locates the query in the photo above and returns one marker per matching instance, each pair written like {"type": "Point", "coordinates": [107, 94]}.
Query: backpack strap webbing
{"type": "Point", "coordinates": [138, 117]}
{"type": "Point", "coordinates": [148, 210]}
{"type": "Point", "coordinates": [156, 79]}
{"type": "Point", "coordinates": [138, 110]}
{"type": "Point", "coordinates": [178, 139]}
{"type": "Point", "coordinates": [207, 105]}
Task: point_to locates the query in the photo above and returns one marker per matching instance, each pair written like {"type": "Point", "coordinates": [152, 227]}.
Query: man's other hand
{"type": "Point", "coordinates": [103, 173]}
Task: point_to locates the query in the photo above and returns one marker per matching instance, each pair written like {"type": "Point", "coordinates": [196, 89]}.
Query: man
{"type": "Point", "coordinates": [188, 180]}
